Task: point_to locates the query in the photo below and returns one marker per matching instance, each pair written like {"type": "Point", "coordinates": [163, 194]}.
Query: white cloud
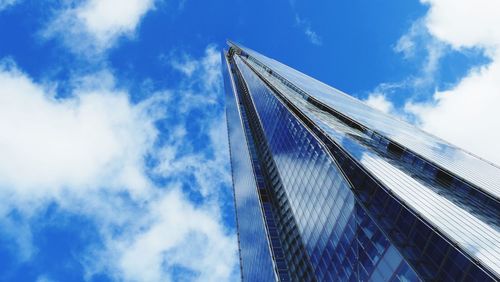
{"type": "Point", "coordinates": [50, 144]}
{"type": "Point", "coordinates": [185, 64]}
{"type": "Point", "coordinates": [416, 40]}
{"type": "Point", "coordinates": [406, 45]}
{"type": "Point", "coordinates": [209, 172]}
{"type": "Point", "coordinates": [44, 279]}
{"type": "Point", "coordinates": [202, 86]}
{"type": "Point", "coordinates": [313, 36]}
{"type": "Point", "coordinates": [86, 153]}
{"type": "Point", "coordinates": [379, 102]}
{"type": "Point", "coordinates": [4, 4]}
{"type": "Point", "coordinates": [201, 92]}
{"type": "Point", "coordinates": [466, 114]}
{"type": "Point", "coordinates": [463, 23]}
{"type": "Point", "coordinates": [179, 236]}
{"type": "Point", "coordinates": [174, 233]}
{"type": "Point", "coordinates": [93, 26]}
{"type": "Point", "coordinates": [417, 46]}
{"type": "Point", "coordinates": [381, 98]}
{"type": "Point", "coordinates": [69, 151]}
{"type": "Point", "coordinates": [305, 25]}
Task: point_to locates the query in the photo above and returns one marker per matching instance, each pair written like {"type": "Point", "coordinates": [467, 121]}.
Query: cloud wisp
{"type": "Point", "coordinates": [91, 27]}
{"type": "Point", "coordinates": [305, 26]}
{"type": "Point", "coordinates": [378, 101]}
{"type": "Point", "coordinates": [4, 4]}
{"type": "Point", "coordinates": [466, 113]}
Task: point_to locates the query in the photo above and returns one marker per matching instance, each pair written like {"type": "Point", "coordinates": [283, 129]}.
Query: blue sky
{"type": "Point", "coordinates": [113, 145]}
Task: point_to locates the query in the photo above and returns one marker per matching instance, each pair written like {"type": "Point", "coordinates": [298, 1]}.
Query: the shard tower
{"type": "Point", "coordinates": [329, 189]}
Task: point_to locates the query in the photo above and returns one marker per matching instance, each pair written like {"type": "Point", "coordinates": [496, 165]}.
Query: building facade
{"type": "Point", "coordinates": [328, 189]}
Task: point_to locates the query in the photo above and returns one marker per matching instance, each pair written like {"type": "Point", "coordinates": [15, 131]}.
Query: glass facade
{"type": "Point", "coordinates": [340, 192]}
{"type": "Point", "coordinates": [256, 262]}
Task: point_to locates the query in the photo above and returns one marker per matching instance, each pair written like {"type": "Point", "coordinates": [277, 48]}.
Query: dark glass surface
{"type": "Point", "coordinates": [483, 175]}
{"type": "Point", "coordinates": [255, 257]}
{"type": "Point", "coordinates": [453, 208]}
{"type": "Point", "coordinates": [353, 194]}
{"type": "Point", "coordinates": [340, 239]}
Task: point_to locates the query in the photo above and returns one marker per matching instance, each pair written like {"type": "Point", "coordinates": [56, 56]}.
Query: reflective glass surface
{"type": "Point", "coordinates": [341, 240]}
{"type": "Point", "coordinates": [483, 175]}
{"type": "Point", "coordinates": [255, 256]}
{"type": "Point", "coordinates": [449, 209]}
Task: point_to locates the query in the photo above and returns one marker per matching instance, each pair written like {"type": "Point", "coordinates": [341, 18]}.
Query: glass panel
{"type": "Point", "coordinates": [447, 205]}
{"type": "Point", "coordinates": [256, 263]}
{"type": "Point", "coordinates": [333, 227]}
{"type": "Point", "coordinates": [484, 175]}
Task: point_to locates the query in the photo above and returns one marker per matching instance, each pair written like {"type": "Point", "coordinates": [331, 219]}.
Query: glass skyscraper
{"type": "Point", "coordinates": [328, 189]}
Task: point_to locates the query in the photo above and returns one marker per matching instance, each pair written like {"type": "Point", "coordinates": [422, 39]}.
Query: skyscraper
{"type": "Point", "coordinates": [328, 189]}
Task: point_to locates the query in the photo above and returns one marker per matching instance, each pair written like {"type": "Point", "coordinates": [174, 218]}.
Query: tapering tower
{"type": "Point", "coordinates": [329, 189]}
